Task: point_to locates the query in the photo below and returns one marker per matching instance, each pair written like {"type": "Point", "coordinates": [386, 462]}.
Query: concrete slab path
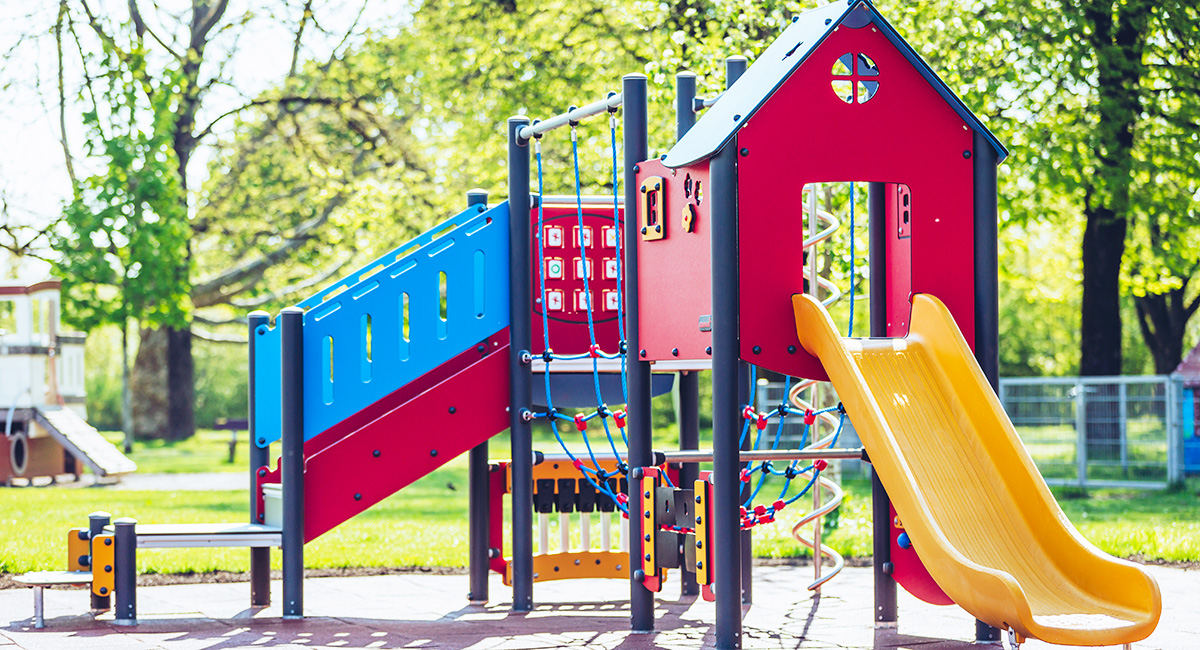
{"type": "Point", "coordinates": [426, 611]}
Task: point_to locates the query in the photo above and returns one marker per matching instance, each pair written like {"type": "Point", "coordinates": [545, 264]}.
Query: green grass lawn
{"type": "Point", "coordinates": [425, 525]}
{"type": "Point", "coordinates": [207, 451]}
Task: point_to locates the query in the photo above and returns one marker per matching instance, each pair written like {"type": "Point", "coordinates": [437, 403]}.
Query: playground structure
{"type": "Point", "coordinates": [452, 332]}
{"type": "Point", "coordinates": [42, 389]}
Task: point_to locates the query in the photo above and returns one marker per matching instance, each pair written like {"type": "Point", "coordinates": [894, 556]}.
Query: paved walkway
{"type": "Point", "coordinates": [421, 611]}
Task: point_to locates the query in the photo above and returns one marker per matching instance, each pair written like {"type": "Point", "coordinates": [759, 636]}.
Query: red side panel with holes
{"type": "Point", "coordinates": [675, 271]}
{"type": "Point", "coordinates": [904, 133]}
{"type": "Point", "coordinates": [564, 254]}
{"type": "Point", "coordinates": [415, 430]}
{"type": "Point", "coordinates": [815, 130]}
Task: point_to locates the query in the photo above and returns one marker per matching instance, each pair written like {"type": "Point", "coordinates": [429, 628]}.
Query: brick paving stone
{"type": "Point", "coordinates": [427, 611]}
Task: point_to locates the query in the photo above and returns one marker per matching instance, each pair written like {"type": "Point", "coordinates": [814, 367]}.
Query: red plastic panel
{"type": "Point", "coordinates": [807, 132]}
{"type": "Point", "coordinates": [563, 266]}
{"type": "Point", "coordinates": [465, 403]}
{"type": "Point", "coordinates": [908, 570]}
{"type": "Point", "coordinates": [497, 494]}
{"type": "Point", "coordinates": [898, 208]}
{"type": "Point", "coordinates": [674, 272]}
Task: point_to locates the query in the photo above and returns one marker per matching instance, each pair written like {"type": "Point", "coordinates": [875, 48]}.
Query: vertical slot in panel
{"type": "Point", "coordinates": [327, 370]}
{"type": "Point", "coordinates": [441, 325]}
{"type": "Point", "coordinates": [404, 326]}
{"type": "Point", "coordinates": [365, 360]}
{"type": "Point", "coordinates": [480, 285]}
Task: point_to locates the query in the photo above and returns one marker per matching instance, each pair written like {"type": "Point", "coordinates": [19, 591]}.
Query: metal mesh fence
{"type": "Point", "coordinates": [1093, 432]}
{"type": "Point", "coordinates": [1097, 431]}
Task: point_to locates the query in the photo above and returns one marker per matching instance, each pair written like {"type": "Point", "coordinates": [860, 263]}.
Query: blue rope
{"type": "Point", "coordinates": [852, 260]}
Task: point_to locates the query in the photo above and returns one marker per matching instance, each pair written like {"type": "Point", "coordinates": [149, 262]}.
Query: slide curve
{"type": "Point", "coordinates": [969, 496]}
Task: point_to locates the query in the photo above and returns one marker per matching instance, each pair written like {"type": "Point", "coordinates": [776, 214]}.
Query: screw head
{"type": "Point", "coordinates": [433, 452]}
{"type": "Point", "coordinates": [745, 152]}
{"type": "Point", "coordinates": [966, 154]}
{"type": "Point", "coordinates": [757, 349]}
{"type": "Point", "coordinates": [453, 410]}
{"type": "Point", "coordinates": [737, 117]}
{"type": "Point", "coordinates": [647, 556]}
{"type": "Point", "coordinates": [647, 514]}
{"type": "Point", "coordinates": [647, 537]}
{"type": "Point", "coordinates": [375, 453]}
{"type": "Point", "coordinates": [262, 472]}
{"type": "Point", "coordinates": [637, 168]}
{"type": "Point", "coordinates": [708, 350]}
{"type": "Point", "coordinates": [674, 352]}
{"type": "Point", "coordinates": [358, 496]}
{"type": "Point", "coordinates": [641, 353]}
{"type": "Point", "coordinates": [791, 349]}
{"type": "Point", "coordinates": [698, 499]}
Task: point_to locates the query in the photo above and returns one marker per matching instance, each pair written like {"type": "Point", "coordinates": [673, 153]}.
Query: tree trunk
{"type": "Point", "coordinates": [164, 385]}
{"type": "Point", "coordinates": [1100, 340]}
{"type": "Point", "coordinates": [1163, 318]}
{"type": "Point", "coordinates": [126, 391]}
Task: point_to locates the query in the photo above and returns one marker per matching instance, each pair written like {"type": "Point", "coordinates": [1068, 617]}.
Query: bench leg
{"type": "Point", "coordinates": [39, 620]}
{"type": "Point", "coordinates": [126, 571]}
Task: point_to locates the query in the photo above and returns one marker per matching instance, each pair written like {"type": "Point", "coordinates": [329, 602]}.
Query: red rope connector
{"type": "Point", "coordinates": [820, 464]}
{"type": "Point", "coordinates": [760, 510]}
{"type": "Point", "coordinates": [779, 505]}
{"type": "Point", "coordinates": [578, 464]}
{"type": "Point", "coordinates": [809, 416]}
{"type": "Point", "coordinates": [594, 350]}
{"type": "Point", "coordinates": [748, 413]}
{"type": "Point", "coordinates": [622, 498]}
{"type": "Point", "coordinates": [580, 423]}
{"type": "Point", "coordinates": [744, 476]}
{"type": "Point", "coordinates": [768, 518]}
{"type": "Point", "coordinates": [748, 522]}
{"type": "Point", "coordinates": [742, 512]}
{"type": "Point", "coordinates": [762, 422]}
{"type": "Point", "coordinates": [619, 418]}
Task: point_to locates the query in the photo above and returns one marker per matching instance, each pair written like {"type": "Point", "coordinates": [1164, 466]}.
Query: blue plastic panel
{"type": "Point", "coordinates": [267, 400]}
{"type": "Point", "coordinates": [396, 319]}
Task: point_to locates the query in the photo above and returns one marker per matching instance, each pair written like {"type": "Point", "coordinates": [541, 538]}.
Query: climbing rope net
{"type": "Point", "coordinates": [793, 406]}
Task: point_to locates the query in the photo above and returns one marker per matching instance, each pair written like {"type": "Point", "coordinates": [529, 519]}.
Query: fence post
{"type": "Point", "coordinates": [1174, 417]}
{"type": "Point", "coordinates": [1122, 415]}
{"type": "Point", "coordinates": [1081, 432]}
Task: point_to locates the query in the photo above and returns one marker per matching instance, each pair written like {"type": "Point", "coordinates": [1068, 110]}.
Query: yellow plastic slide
{"type": "Point", "coordinates": [975, 507]}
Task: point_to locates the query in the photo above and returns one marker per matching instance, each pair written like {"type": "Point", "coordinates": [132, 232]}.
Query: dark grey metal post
{"type": "Point", "coordinates": [727, 538]}
{"type": "Point", "coordinates": [689, 438]}
{"type": "Point", "coordinates": [96, 523]}
{"type": "Point", "coordinates": [735, 66]}
{"type": "Point", "coordinates": [637, 148]}
{"type": "Point", "coordinates": [987, 286]}
{"type": "Point", "coordinates": [125, 570]}
{"type": "Point", "coordinates": [477, 488]}
{"type": "Point", "coordinates": [291, 366]}
{"type": "Point", "coordinates": [885, 584]}
{"type": "Point", "coordinates": [520, 373]}
{"type": "Point", "coordinates": [260, 557]}
{"type": "Point", "coordinates": [689, 381]}
{"type": "Point", "coordinates": [685, 98]}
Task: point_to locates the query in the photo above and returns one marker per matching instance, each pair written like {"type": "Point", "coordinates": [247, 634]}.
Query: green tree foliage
{"type": "Point", "coordinates": [123, 253]}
